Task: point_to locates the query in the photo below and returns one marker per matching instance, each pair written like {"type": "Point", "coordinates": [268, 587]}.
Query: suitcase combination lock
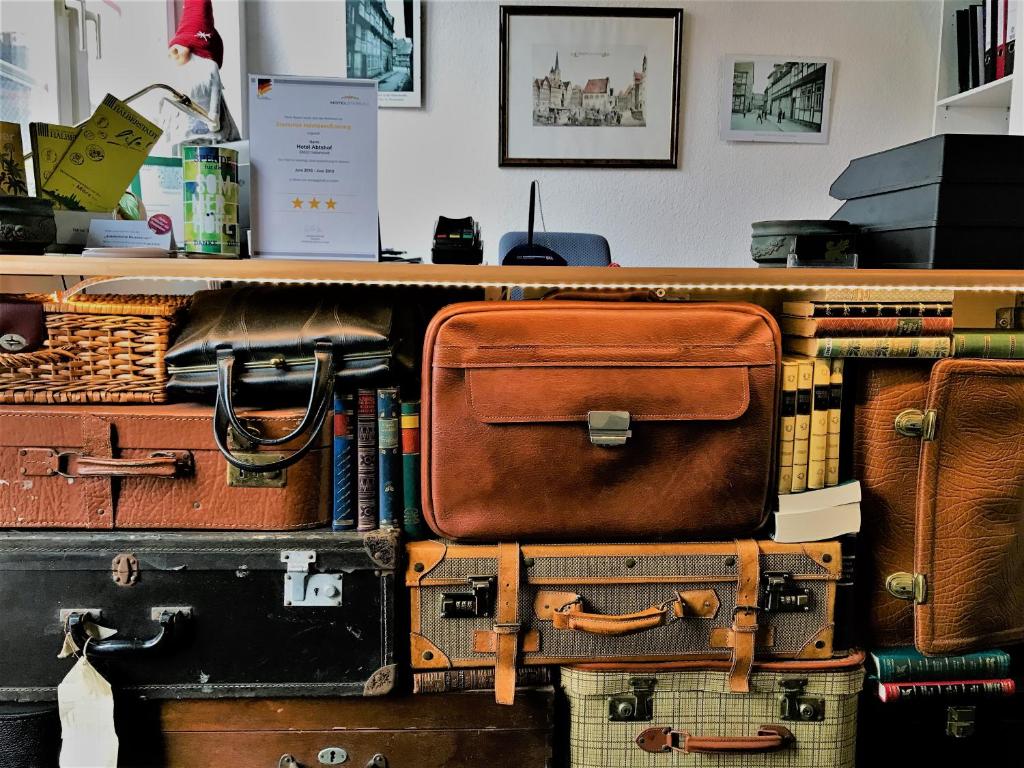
{"type": "Point", "coordinates": [477, 603]}
{"type": "Point", "coordinates": [796, 705]}
{"type": "Point", "coordinates": [633, 707]}
{"type": "Point", "coordinates": [781, 595]}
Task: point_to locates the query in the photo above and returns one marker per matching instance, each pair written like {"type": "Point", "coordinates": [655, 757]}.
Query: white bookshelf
{"type": "Point", "coordinates": [996, 107]}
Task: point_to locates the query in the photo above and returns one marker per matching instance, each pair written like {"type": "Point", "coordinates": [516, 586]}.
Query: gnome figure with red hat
{"type": "Point", "coordinates": [196, 35]}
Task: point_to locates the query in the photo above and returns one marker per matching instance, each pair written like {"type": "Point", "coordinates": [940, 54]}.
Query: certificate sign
{"type": "Point", "coordinates": [313, 149]}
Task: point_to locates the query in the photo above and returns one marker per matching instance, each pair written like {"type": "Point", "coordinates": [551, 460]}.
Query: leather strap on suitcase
{"type": "Point", "coordinates": [743, 638]}
{"type": "Point", "coordinates": [506, 626]}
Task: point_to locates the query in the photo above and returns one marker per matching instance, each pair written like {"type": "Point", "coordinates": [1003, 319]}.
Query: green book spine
{"type": "Point", "coordinates": [1007, 345]}
{"type": "Point", "coordinates": [412, 515]}
{"type": "Point", "coordinates": [389, 457]}
{"type": "Point", "coordinates": [899, 665]}
{"type": "Point", "coordinates": [874, 346]}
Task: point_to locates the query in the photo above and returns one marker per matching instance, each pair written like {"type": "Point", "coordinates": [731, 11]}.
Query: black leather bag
{"type": "Point", "coordinates": [286, 345]}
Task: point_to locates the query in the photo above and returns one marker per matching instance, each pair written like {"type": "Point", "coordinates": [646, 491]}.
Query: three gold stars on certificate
{"type": "Point", "coordinates": [314, 203]}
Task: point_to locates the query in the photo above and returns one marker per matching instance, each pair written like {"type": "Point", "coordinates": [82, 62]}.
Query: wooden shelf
{"type": "Point", "coordinates": [484, 276]}
{"type": "Point", "coordinates": [995, 94]}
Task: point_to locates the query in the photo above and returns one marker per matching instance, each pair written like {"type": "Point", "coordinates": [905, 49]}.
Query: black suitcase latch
{"type": "Point", "coordinates": [477, 603]}
{"type": "Point", "coordinates": [795, 704]}
{"type": "Point", "coordinates": [636, 706]}
{"type": "Point", "coordinates": [783, 596]}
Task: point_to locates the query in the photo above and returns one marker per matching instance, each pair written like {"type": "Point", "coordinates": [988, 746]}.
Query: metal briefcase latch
{"type": "Point", "coordinates": [908, 586]}
{"type": "Point", "coordinates": [608, 428]}
{"type": "Point", "coordinates": [781, 595]}
{"type": "Point", "coordinates": [303, 589]}
{"type": "Point", "coordinates": [636, 706]}
{"type": "Point", "coordinates": [960, 721]}
{"type": "Point", "coordinates": [240, 478]}
{"type": "Point", "coordinates": [915, 423]}
{"type": "Point", "coordinates": [795, 704]}
{"type": "Point", "coordinates": [477, 603]}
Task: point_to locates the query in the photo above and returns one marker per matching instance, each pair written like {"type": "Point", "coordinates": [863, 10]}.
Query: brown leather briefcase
{"type": "Point", "coordinates": [939, 452]}
{"type": "Point", "coordinates": [150, 466]}
{"type": "Point", "coordinates": [589, 421]}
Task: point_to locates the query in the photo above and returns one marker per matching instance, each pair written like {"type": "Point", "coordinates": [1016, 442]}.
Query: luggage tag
{"type": "Point", "coordinates": [86, 705]}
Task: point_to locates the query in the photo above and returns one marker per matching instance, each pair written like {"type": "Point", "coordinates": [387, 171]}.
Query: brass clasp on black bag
{"type": "Point", "coordinates": [312, 421]}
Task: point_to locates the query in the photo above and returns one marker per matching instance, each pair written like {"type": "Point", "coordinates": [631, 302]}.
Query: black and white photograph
{"type": "Point", "coordinates": [780, 99]}
{"type": "Point", "coordinates": [590, 86]}
{"type": "Point", "coordinates": [382, 39]}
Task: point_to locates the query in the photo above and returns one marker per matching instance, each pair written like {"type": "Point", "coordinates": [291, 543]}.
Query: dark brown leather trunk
{"type": "Point", "coordinates": [149, 466]}
{"type": "Point", "coordinates": [451, 730]}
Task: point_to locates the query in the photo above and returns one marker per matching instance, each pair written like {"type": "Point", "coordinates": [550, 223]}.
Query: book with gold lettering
{"type": "Point", "coordinates": [787, 424]}
{"type": "Point", "coordinates": [835, 413]}
{"type": "Point", "coordinates": [817, 448]}
{"type": "Point", "coordinates": [802, 423]}
{"type": "Point", "coordinates": [50, 142]}
{"type": "Point", "coordinates": [103, 159]}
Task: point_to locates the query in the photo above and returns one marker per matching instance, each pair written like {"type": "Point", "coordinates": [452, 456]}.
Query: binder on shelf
{"type": "Point", "coordinates": [963, 49]}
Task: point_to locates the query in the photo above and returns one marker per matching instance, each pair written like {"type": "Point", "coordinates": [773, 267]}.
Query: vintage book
{"type": "Point", "coordinates": [817, 524]}
{"type": "Point", "coordinates": [103, 159]}
{"type": "Point", "coordinates": [866, 309]}
{"type": "Point", "coordinates": [866, 326]}
{"type": "Point", "coordinates": [412, 514]}
{"type": "Point", "coordinates": [835, 419]}
{"type": "Point", "coordinates": [344, 517]}
{"type": "Point", "coordinates": [908, 665]}
{"type": "Point", "coordinates": [940, 689]}
{"type": "Point", "coordinates": [13, 180]}
{"type": "Point", "coordinates": [50, 143]}
{"type": "Point", "coordinates": [817, 448]}
{"type": "Point", "coordinates": [980, 310]}
{"type": "Point", "coordinates": [880, 346]}
{"type": "Point", "coordinates": [802, 423]}
{"type": "Point", "coordinates": [366, 460]}
{"type": "Point", "coordinates": [1005, 345]}
{"type": "Point", "coordinates": [823, 498]}
{"type": "Point", "coordinates": [389, 457]}
{"type": "Point", "coordinates": [787, 424]}
{"type": "Point", "coordinates": [963, 49]}
{"type": "Point", "coordinates": [480, 679]}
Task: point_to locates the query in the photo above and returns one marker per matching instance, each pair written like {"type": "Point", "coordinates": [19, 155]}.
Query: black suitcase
{"type": "Point", "coordinates": [200, 615]}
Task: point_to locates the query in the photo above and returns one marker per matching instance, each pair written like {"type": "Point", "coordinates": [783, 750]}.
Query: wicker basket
{"type": "Point", "coordinates": [100, 349]}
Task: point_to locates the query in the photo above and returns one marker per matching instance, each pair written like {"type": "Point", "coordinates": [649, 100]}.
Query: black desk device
{"type": "Point", "coordinates": [457, 241]}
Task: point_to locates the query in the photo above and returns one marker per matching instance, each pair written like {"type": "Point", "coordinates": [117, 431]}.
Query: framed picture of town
{"type": "Point", "coordinates": [775, 98]}
{"type": "Point", "coordinates": [589, 86]}
{"type": "Point", "coordinates": [382, 43]}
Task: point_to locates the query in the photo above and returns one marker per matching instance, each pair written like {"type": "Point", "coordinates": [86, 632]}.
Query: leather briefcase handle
{"type": "Point", "coordinates": [769, 738]}
{"type": "Point", "coordinates": [224, 416]}
{"type": "Point", "coordinates": [168, 464]}
{"type": "Point", "coordinates": [572, 617]}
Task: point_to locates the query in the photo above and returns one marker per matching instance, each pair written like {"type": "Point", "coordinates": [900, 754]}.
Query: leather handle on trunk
{"type": "Point", "coordinates": [769, 738]}
{"type": "Point", "coordinates": [573, 617]}
{"type": "Point", "coordinates": [167, 465]}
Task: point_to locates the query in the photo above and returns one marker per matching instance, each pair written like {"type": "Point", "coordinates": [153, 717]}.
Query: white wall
{"type": "Point", "coordinates": [443, 159]}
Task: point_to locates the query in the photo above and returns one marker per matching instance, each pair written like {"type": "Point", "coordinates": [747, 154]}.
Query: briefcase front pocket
{"type": "Point", "coordinates": [587, 421]}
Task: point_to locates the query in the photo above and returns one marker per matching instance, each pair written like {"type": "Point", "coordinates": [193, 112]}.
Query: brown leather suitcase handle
{"type": "Point", "coordinates": [769, 738]}
{"type": "Point", "coordinates": [168, 465]}
{"type": "Point", "coordinates": [572, 617]}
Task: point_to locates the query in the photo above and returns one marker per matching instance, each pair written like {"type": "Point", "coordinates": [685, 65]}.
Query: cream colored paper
{"type": "Point", "coordinates": [86, 705]}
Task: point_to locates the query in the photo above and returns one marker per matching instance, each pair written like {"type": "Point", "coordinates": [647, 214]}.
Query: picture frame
{"type": "Point", "coordinates": [794, 105]}
{"type": "Point", "coordinates": [384, 42]}
{"type": "Point", "coordinates": [589, 86]}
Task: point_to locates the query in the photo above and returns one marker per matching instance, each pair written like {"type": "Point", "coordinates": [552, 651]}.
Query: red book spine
{"type": "Point", "coordinates": [969, 688]}
{"type": "Point", "coordinates": [884, 326]}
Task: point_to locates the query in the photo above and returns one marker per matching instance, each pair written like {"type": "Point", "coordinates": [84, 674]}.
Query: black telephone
{"type": "Point", "coordinates": [457, 241]}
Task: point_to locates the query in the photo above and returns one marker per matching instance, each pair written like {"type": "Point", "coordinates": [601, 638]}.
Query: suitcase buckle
{"type": "Point", "coordinates": [608, 428]}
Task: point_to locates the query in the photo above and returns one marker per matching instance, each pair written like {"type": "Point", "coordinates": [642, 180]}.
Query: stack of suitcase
{"type": "Point", "coordinates": [598, 477]}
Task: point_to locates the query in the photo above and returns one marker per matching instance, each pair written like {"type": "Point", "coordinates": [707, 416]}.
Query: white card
{"type": "Point", "coordinates": [113, 233]}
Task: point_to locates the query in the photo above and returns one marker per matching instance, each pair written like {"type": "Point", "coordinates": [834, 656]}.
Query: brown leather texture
{"type": "Point", "coordinates": [887, 467]}
{"type": "Point", "coordinates": [146, 466]}
{"type": "Point", "coordinates": [466, 729]}
{"type": "Point", "coordinates": [970, 508]}
{"type": "Point", "coordinates": [506, 393]}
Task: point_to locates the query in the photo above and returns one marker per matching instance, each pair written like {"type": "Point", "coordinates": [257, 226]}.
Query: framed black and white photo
{"type": "Point", "coordinates": [589, 86]}
{"type": "Point", "coordinates": [382, 43]}
{"type": "Point", "coordinates": [775, 98]}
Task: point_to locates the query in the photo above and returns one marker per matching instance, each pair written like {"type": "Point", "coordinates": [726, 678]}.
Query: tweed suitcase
{"type": "Point", "coordinates": [798, 714]}
{"type": "Point", "coordinates": [499, 605]}
{"type": "Point", "coordinates": [200, 615]}
{"type": "Point", "coordinates": [449, 730]}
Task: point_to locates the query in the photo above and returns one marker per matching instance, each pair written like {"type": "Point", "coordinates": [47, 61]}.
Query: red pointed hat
{"type": "Point", "coordinates": [197, 33]}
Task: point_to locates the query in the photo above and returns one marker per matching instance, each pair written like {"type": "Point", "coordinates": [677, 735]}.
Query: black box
{"type": "Point", "coordinates": [954, 201]}
{"type": "Point", "coordinates": [251, 614]}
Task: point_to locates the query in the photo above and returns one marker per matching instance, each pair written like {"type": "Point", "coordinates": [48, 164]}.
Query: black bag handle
{"type": "Point", "coordinates": [312, 421]}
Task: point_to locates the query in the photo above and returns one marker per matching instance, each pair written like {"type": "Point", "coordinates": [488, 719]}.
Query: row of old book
{"type": "Point", "coordinates": [893, 329]}
{"type": "Point", "coordinates": [376, 462]}
{"type": "Point", "coordinates": [904, 673]}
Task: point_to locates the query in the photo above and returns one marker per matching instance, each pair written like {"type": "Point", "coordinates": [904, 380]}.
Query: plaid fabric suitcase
{"type": "Point", "coordinates": [798, 714]}
{"type": "Point", "coordinates": [499, 605]}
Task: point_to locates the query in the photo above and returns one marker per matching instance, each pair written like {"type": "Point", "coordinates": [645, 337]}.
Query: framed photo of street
{"type": "Point", "coordinates": [589, 86]}
{"type": "Point", "coordinates": [775, 98]}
